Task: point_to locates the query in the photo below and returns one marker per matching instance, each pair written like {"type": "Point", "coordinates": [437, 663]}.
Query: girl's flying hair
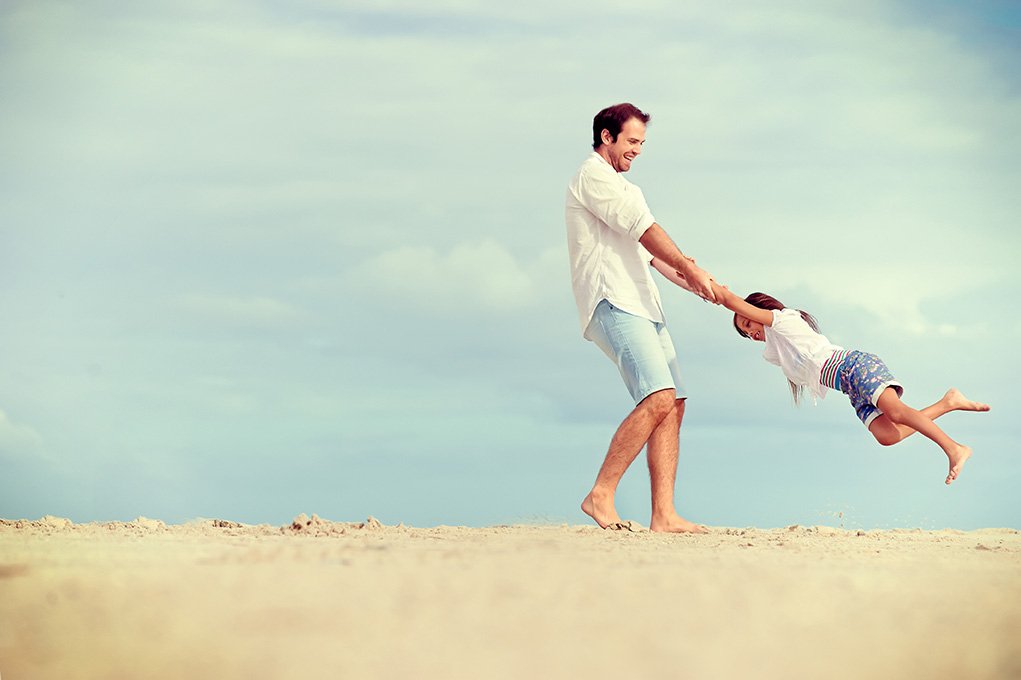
{"type": "Point", "coordinates": [763, 301]}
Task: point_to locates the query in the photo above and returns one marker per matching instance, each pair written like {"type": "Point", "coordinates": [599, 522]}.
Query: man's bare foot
{"type": "Point", "coordinates": [958, 402]}
{"type": "Point", "coordinates": [677, 525]}
{"type": "Point", "coordinates": [600, 507]}
{"type": "Point", "coordinates": [957, 462]}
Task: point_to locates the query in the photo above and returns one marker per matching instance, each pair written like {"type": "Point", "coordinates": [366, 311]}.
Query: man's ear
{"type": "Point", "coordinates": [606, 137]}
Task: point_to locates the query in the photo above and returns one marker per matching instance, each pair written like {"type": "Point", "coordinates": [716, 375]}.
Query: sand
{"type": "Point", "coordinates": [319, 599]}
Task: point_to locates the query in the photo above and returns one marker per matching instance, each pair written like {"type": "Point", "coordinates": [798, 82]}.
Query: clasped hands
{"type": "Point", "coordinates": [700, 282]}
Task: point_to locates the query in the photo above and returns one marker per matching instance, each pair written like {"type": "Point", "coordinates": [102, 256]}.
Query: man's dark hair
{"type": "Point", "coordinates": [612, 119]}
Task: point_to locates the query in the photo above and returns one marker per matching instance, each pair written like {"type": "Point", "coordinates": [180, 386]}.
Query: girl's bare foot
{"type": "Point", "coordinates": [958, 402]}
{"type": "Point", "coordinates": [677, 525]}
{"type": "Point", "coordinates": [600, 507]}
{"type": "Point", "coordinates": [957, 461]}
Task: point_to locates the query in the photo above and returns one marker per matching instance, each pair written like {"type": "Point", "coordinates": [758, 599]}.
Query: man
{"type": "Point", "coordinates": [612, 241]}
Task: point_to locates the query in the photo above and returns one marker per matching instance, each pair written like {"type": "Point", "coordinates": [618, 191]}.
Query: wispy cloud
{"type": "Point", "coordinates": [257, 311]}
{"type": "Point", "coordinates": [473, 278]}
{"type": "Point", "coordinates": [17, 440]}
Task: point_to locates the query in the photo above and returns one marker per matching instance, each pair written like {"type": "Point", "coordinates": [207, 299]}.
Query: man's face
{"type": "Point", "coordinates": [628, 145]}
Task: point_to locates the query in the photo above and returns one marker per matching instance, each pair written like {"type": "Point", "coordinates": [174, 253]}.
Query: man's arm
{"type": "Point", "coordinates": [662, 248]}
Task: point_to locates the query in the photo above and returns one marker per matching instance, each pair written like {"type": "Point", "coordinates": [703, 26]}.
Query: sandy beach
{"type": "Point", "coordinates": [320, 599]}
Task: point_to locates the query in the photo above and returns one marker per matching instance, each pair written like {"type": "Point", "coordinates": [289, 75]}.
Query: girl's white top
{"type": "Point", "coordinates": [792, 345]}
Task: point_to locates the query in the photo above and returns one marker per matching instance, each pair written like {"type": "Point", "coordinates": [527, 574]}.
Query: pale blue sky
{"type": "Point", "coordinates": [267, 258]}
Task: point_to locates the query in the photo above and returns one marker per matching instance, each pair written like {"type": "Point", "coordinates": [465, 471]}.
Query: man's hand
{"type": "Point", "coordinates": [699, 282]}
{"type": "Point", "coordinates": [662, 249]}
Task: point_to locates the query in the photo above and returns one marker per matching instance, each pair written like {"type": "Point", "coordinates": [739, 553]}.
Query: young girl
{"type": "Point", "coordinates": [809, 360]}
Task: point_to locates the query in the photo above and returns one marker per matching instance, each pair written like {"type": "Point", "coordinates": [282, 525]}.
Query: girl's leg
{"type": "Point", "coordinates": [901, 414]}
{"type": "Point", "coordinates": [888, 432]}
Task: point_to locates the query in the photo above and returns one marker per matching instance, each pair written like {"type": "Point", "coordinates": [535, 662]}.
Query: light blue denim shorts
{"type": "Point", "coordinates": [641, 349]}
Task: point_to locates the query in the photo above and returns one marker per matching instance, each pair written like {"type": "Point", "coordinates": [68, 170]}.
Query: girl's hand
{"type": "Point", "coordinates": [722, 293]}
{"type": "Point", "coordinates": [701, 283]}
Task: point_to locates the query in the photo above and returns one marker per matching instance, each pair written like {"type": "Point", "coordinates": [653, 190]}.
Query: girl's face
{"type": "Point", "coordinates": [752, 329]}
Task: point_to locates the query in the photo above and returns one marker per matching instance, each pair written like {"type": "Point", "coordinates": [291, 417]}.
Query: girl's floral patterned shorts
{"type": "Point", "coordinates": [863, 377]}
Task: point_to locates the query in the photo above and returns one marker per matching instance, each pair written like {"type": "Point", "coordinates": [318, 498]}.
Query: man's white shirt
{"type": "Point", "coordinates": [606, 215]}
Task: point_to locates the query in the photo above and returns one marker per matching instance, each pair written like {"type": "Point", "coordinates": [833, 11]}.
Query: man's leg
{"type": "Point", "coordinates": [646, 419]}
{"type": "Point", "coordinates": [663, 455]}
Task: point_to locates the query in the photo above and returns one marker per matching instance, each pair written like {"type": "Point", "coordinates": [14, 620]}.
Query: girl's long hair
{"type": "Point", "coordinates": [763, 301]}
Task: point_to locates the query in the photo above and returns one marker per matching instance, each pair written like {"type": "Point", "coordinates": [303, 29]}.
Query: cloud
{"type": "Point", "coordinates": [476, 277]}
{"type": "Point", "coordinates": [18, 440]}
{"type": "Point", "coordinates": [254, 311]}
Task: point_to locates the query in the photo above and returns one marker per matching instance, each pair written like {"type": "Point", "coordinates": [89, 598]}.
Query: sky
{"type": "Point", "coordinates": [262, 258]}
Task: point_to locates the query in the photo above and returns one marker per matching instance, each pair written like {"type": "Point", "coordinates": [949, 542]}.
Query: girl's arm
{"type": "Point", "coordinates": [740, 307]}
{"type": "Point", "coordinates": [671, 274]}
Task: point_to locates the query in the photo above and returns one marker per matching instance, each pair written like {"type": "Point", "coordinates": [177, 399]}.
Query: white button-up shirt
{"type": "Point", "coordinates": [606, 215]}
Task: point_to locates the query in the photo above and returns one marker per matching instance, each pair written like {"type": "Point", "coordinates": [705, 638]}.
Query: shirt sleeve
{"type": "Point", "coordinates": [788, 321]}
{"type": "Point", "coordinates": [781, 318]}
{"type": "Point", "coordinates": [618, 203]}
{"type": "Point", "coordinates": [772, 353]}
